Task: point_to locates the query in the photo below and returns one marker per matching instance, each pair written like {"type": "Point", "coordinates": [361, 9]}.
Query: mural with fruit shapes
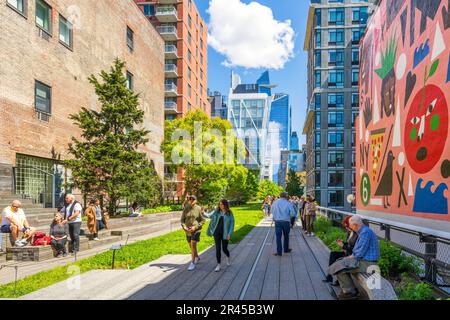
{"type": "Point", "coordinates": [405, 96]}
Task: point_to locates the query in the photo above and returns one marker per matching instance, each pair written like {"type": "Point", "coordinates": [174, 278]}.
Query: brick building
{"type": "Point", "coordinates": [48, 51]}
{"type": "Point", "coordinates": [186, 50]}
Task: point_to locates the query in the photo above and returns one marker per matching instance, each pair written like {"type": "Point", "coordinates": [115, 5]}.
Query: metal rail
{"type": "Point", "coordinates": [432, 239]}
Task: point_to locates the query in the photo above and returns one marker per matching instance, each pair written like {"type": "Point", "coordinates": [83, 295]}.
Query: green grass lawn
{"type": "Point", "coordinates": [136, 254]}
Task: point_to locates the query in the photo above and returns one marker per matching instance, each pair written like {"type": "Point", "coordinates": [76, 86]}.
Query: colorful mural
{"type": "Point", "coordinates": [403, 158]}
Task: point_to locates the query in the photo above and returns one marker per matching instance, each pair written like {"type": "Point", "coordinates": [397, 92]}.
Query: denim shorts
{"type": "Point", "coordinates": [6, 228]}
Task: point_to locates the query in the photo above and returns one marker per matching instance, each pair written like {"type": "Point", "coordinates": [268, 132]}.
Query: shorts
{"type": "Point", "coordinates": [6, 228]}
{"type": "Point", "coordinates": [193, 237]}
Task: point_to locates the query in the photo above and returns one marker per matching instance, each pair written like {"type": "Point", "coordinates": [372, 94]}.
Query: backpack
{"type": "Point", "coordinates": [41, 239]}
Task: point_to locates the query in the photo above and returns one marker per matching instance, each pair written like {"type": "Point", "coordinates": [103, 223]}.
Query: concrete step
{"type": "Point", "coordinates": [10, 197]}
{"type": "Point", "coordinates": [25, 204]}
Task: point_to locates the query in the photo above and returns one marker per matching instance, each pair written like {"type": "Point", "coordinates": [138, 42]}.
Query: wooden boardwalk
{"type": "Point", "coordinates": [255, 273]}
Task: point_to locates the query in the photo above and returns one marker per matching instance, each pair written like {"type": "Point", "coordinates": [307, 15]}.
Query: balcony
{"type": "Point", "coordinates": [171, 70]}
{"type": "Point", "coordinates": [168, 33]}
{"type": "Point", "coordinates": [166, 14]}
{"type": "Point", "coordinates": [171, 90]}
{"type": "Point", "coordinates": [169, 1]}
{"type": "Point", "coordinates": [170, 107]}
{"type": "Point", "coordinates": [171, 52]}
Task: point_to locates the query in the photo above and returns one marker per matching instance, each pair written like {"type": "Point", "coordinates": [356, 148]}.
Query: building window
{"type": "Point", "coordinates": [317, 120]}
{"type": "Point", "coordinates": [317, 101]}
{"type": "Point", "coordinates": [18, 5]}
{"type": "Point", "coordinates": [356, 35]}
{"type": "Point", "coordinates": [336, 139]}
{"type": "Point", "coordinates": [65, 32]}
{"type": "Point", "coordinates": [335, 159]}
{"type": "Point", "coordinates": [355, 100]}
{"type": "Point", "coordinates": [189, 55]}
{"type": "Point", "coordinates": [317, 160]}
{"type": "Point", "coordinates": [336, 100]}
{"type": "Point", "coordinates": [318, 17]}
{"type": "Point", "coordinates": [201, 28]}
{"type": "Point", "coordinates": [360, 15]}
{"type": "Point", "coordinates": [44, 16]}
{"type": "Point", "coordinates": [149, 9]}
{"type": "Point", "coordinates": [42, 97]}
{"type": "Point", "coordinates": [130, 39]}
{"type": "Point", "coordinates": [189, 90]}
{"type": "Point", "coordinates": [353, 159]}
{"type": "Point", "coordinates": [317, 140]}
{"type": "Point", "coordinates": [336, 79]}
{"type": "Point", "coordinates": [189, 73]}
{"type": "Point", "coordinates": [336, 58]}
{"type": "Point", "coordinates": [318, 58]}
{"type": "Point", "coordinates": [317, 179]}
{"type": "Point", "coordinates": [336, 17]}
{"type": "Point", "coordinates": [317, 79]}
{"type": "Point", "coordinates": [336, 198]}
{"type": "Point", "coordinates": [189, 21]}
{"type": "Point", "coordinates": [355, 57]}
{"type": "Point", "coordinates": [130, 81]}
{"type": "Point", "coordinates": [189, 38]}
{"type": "Point", "coordinates": [336, 119]}
{"type": "Point", "coordinates": [201, 59]}
{"type": "Point", "coordinates": [355, 77]}
{"type": "Point", "coordinates": [336, 37]}
{"type": "Point", "coordinates": [336, 179]}
{"type": "Point", "coordinates": [353, 139]}
{"type": "Point", "coordinates": [318, 39]}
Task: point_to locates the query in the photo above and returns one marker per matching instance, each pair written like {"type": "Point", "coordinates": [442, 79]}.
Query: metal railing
{"type": "Point", "coordinates": [432, 247]}
{"type": "Point", "coordinates": [163, 10]}
{"type": "Point", "coordinates": [167, 29]}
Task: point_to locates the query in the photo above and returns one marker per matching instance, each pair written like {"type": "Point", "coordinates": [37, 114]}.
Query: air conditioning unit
{"type": "Point", "coordinates": [43, 34]}
{"type": "Point", "coordinates": [43, 116]}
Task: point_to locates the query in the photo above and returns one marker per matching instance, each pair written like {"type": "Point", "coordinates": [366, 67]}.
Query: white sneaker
{"type": "Point", "coordinates": [191, 267]}
{"type": "Point", "coordinates": [19, 243]}
{"type": "Point", "coordinates": [228, 261]}
{"type": "Point", "coordinates": [312, 234]}
{"type": "Point", "coordinates": [96, 239]}
{"type": "Point", "coordinates": [217, 269]}
{"type": "Point", "coordinates": [197, 260]}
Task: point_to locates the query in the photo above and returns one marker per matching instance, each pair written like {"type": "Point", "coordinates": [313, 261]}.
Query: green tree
{"type": "Point", "coordinates": [268, 188]}
{"type": "Point", "coordinates": [293, 184]}
{"type": "Point", "coordinates": [106, 160]}
{"type": "Point", "coordinates": [201, 152]}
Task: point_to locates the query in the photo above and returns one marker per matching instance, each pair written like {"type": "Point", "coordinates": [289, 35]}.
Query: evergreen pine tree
{"type": "Point", "coordinates": [106, 160]}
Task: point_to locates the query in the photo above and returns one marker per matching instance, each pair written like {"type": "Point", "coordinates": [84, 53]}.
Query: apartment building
{"type": "Point", "coordinates": [334, 31]}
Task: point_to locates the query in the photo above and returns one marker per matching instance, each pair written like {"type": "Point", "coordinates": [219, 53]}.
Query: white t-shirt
{"type": "Point", "coordinates": [77, 208]}
{"type": "Point", "coordinates": [9, 213]}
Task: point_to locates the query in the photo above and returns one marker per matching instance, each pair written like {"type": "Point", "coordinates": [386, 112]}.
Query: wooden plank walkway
{"type": "Point", "coordinates": [294, 276]}
{"type": "Point", "coordinates": [255, 274]}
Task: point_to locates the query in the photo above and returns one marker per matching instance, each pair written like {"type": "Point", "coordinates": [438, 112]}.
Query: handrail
{"type": "Point", "coordinates": [429, 237]}
{"type": "Point", "coordinates": [399, 225]}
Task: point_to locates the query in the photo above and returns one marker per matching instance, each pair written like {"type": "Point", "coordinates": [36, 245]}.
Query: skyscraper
{"type": "Point", "coordinates": [219, 106]}
{"type": "Point", "coordinates": [263, 121]}
{"type": "Point", "coordinates": [332, 40]}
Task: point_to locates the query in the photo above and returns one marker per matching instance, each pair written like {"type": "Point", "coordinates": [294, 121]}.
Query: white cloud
{"type": "Point", "coordinates": [248, 35]}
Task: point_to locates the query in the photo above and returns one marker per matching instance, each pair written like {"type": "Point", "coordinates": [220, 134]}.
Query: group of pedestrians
{"type": "Point", "coordinates": [66, 224]}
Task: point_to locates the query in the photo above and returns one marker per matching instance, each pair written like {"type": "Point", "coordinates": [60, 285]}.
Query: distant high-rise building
{"type": "Point", "coordinates": [218, 104]}
{"type": "Point", "coordinates": [262, 120]}
{"type": "Point", "coordinates": [332, 40]}
{"type": "Point", "coordinates": [294, 141]}
{"type": "Point", "coordinates": [186, 54]}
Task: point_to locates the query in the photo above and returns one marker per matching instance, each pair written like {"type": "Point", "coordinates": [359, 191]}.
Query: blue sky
{"type": "Point", "coordinates": [291, 79]}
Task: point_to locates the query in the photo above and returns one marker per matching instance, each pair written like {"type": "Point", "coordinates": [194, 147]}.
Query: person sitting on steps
{"type": "Point", "coordinates": [14, 221]}
{"type": "Point", "coordinates": [59, 233]}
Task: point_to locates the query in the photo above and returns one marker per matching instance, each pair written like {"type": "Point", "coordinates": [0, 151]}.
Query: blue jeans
{"type": "Point", "coordinates": [282, 228]}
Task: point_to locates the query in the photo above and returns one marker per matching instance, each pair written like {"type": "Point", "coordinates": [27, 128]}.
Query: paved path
{"type": "Point", "coordinates": [255, 274]}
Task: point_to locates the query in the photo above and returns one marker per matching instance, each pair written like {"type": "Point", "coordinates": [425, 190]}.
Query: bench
{"type": "Point", "coordinates": [374, 287]}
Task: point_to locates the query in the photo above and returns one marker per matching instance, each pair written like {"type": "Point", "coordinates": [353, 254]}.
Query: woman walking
{"type": "Point", "coordinates": [192, 222]}
{"type": "Point", "coordinates": [221, 228]}
{"type": "Point", "coordinates": [310, 215]}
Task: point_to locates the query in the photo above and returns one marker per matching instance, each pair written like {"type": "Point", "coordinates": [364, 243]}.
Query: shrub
{"type": "Point", "coordinates": [393, 262]}
{"type": "Point", "coordinates": [421, 291]}
{"type": "Point", "coordinates": [329, 234]}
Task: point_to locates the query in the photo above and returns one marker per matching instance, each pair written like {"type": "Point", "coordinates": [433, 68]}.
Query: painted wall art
{"type": "Point", "coordinates": [403, 152]}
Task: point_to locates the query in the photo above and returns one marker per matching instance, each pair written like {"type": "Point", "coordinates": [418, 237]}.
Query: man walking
{"type": "Point", "coordinates": [282, 212]}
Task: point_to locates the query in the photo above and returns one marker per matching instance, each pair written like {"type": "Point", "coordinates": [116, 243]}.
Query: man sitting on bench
{"type": "Point", "coordinates": [14, 222]}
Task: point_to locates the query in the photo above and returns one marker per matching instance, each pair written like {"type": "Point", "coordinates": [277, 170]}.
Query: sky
{"type": "Point", "coordinates": [249, 37]}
